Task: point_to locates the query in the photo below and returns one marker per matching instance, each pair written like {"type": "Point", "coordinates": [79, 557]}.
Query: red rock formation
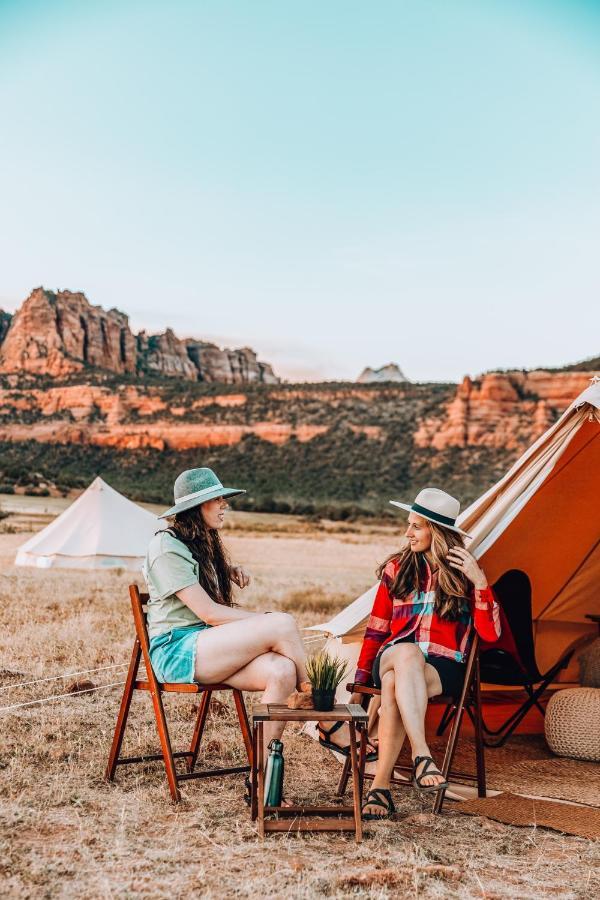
{"type": "Point", "coordinates": [101, 416]}
{"type": "Point", "coordinates": [229, 366]}
{"type": "Point", "coordinates": [167, 355]}
{"type": "Point", "coordinates": [508, 410]}
{"type": "Point", "coordinates": [59, 334]}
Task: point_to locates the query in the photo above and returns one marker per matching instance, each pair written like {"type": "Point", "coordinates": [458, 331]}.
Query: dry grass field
{"type": "Point", "coordinates": [67, 833]}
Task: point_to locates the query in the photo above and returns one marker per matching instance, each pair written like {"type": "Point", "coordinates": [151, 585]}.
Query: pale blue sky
{"type": "Point", "coordinates": [335, 183]}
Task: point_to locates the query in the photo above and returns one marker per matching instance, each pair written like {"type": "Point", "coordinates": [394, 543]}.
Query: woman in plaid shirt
{"type": "Point", "coordinates": [432, 592]}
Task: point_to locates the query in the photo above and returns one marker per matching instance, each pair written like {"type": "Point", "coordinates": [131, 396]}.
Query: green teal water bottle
{"type": "Point", "coordinates": [274, 774]}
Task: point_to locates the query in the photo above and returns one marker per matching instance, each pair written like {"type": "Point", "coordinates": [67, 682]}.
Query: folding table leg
{"type": "Point", "coordinates": [356, 786]}
{"type": "Point", "coordinates": [261, 781]}
{"type": "Point", "coordinates": [343, 782]}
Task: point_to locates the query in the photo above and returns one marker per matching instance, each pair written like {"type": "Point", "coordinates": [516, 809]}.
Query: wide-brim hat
{"type": "Point", "coordinates": [437, 506]}
{"type": "Point", "coordinates": [196, 486]}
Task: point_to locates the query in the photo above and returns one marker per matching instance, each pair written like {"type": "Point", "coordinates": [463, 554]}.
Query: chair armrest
{"type": "Point", "coordinates": [363, 689]}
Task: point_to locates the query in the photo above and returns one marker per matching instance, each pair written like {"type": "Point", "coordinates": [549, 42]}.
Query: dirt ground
{"type": "Point", "coordinates": [65, 832]}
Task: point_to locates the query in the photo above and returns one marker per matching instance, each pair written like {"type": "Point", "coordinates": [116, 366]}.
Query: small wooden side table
{"type": "Point", "coordinates": [294, 818]}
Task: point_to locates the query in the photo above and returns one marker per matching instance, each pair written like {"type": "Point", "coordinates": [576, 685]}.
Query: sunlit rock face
{"type": "Point", "coordinates": [505, 410]}
{"type": "Point", "coordinates": [58, 334]}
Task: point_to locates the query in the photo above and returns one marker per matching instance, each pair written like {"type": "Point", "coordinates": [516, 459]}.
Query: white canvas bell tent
{"type": "Point", "coordinates": [102, 529]}
{"type": "Point", "coordinates": [542, 517]}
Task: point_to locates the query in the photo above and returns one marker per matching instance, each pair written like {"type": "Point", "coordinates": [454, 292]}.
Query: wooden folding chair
{"type": "Point", "coordinates": [141, 648]}
{"type": "Point", "coordinates": [470, 700]}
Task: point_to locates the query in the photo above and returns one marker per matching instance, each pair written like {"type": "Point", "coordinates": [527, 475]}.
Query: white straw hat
{"type": "Point", "coordinates": [437, 506]}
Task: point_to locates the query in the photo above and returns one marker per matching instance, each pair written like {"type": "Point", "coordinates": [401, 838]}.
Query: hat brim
{"type": "Point", "coordinates": [409, 508]}
{"type": "Point", "coordinates": [198, 501]}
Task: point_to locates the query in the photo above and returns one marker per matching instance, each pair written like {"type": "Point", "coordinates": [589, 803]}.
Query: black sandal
{"type": "Point", "coordinates": [373, 798]}
{"type": "Point", "coordinates": [345, 751]}
{"type": "Point", "coordinates": [427, 770]}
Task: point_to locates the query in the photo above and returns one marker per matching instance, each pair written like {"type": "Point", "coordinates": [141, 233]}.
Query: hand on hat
{"type": "Point", "coordinates": [240, 577]}
{"type": "Point", "coordinates": [461, 559]}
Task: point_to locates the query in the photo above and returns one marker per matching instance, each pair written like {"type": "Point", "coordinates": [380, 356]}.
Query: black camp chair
{"type": "Point", "coordinates": [498, 667]}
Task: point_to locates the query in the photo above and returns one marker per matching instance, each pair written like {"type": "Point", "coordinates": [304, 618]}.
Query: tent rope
{"type": "Point", "coordinates": [60, 696]}
{"type": "Point", "coordinates": [66, 675]}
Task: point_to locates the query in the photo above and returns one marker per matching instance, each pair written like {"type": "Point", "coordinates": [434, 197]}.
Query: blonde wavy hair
{"type": "Point", "coordinates": [453, 588]}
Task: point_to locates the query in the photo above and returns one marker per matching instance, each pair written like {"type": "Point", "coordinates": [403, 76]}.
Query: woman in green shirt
{"type": "Point", "coordinates": [196, 633]}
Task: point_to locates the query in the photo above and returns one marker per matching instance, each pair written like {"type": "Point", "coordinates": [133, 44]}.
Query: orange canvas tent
{"type": "Point", "coordinates": [542, 517]}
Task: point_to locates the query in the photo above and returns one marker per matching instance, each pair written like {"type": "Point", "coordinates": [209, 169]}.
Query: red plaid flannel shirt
{"type": "Point", "coordinates": [396, 618]}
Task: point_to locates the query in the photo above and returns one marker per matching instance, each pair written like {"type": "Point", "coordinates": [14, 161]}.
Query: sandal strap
{"type": "Point", "coordinates": [328, 731]}
{"type": "Point", "coordinates": [377, 793]}
{"type": "Point", "coordinates": [428, 763]}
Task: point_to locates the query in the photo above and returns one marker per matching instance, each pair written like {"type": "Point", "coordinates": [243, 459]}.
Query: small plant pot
{"type": "Point", "coordinates": [323, 700]}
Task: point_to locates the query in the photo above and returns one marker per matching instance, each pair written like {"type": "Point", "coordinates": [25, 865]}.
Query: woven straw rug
{"type": "Point", "coordinates": [515, 810]}
{"type": "Point", "coordinates": [526, 766]}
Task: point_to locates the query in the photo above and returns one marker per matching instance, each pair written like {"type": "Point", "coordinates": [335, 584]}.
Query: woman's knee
{"type": "Point", "coordinates": [281, 671]}
{"type": "Point", "coordinates": [283, 623]}
{"type": "Point", "coordinates": [407, 655]}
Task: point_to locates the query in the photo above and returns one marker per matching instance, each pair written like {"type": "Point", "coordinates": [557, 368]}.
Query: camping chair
{"type": "Point", "coordinates": [141, 647]}
{"type": "Point", "coordinates": [470, 700]}
{"type": "Point", "coordinates": [499, 667]}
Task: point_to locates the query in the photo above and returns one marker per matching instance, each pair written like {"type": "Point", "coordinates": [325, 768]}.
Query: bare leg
{"type": "Point", "coordinates": [391, 737]}
{"type": "Point", "coordinates": [415, 682]}
{"type": "Point", "coordinates": [225, 649]}
{"type": "Point", "coordinates": [273, 674]}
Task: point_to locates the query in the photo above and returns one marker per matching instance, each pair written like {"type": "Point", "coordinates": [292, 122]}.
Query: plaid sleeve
{"type": "Point", "coordinates": [486, 615]}
{"type": "Point", "coordinates": [378, 628]}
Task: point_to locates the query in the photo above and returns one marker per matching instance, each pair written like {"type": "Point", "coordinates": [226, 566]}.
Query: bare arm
{"type": "Point", "coordinates": [210, 612]}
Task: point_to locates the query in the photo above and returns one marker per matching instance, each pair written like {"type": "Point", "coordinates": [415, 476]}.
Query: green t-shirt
{"type": "Point", "coordinates": [169, 567]}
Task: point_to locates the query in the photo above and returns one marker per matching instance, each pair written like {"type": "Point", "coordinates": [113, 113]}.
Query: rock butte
{"type": "Point", "coordinates": [60, 334]}
{"type": "Point", "coordinates": [503, 410]}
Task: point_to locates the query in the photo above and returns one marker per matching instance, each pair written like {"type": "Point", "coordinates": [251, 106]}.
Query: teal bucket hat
{"type": "Point", "coordinates": [196, 486]}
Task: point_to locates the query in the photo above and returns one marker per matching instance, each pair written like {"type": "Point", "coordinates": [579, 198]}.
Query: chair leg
{"type": "Point", "coordinates": [479, 746]}
{"type": "Point", "coordinates": [501, 735]}
{"type": "Point", "coordinates": [470, 675]}
{"type": "Point", "coordinates": [447, 717]}
{"type": "Point", "coordinates": [117, 741]}
{"type": "Point", "coordinates": [165, 743]}
{"type": "Point", "coordinates": [240, 706]}
{"type": "Point", "coordinates": [449, 756]}
{"type": "Point", "coordinates": [199, 729]}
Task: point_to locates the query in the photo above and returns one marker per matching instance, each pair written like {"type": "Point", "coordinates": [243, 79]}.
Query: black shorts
{"type": "Point", "coordinates": [452, 673]}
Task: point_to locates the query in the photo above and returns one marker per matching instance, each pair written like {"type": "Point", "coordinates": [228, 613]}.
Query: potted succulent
{"type": "Point", "coordinates": [325, 672]}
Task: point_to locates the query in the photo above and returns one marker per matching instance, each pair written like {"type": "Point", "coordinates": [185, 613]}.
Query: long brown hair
{"type": "Point", "coordinates": [205, 545]}
{"type": "Point", "coordinates": [453, 587]}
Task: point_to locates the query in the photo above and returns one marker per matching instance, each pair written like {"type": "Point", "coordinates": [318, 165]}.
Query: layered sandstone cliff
{"type": "Point", "coordinates": [502, 410]}
{"type": "Point", "coordinates": [60, 334]}
{"type": "Point", "coordinates": [131, 417]}
{"type": "Point", "coordinates": [229, 366]}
